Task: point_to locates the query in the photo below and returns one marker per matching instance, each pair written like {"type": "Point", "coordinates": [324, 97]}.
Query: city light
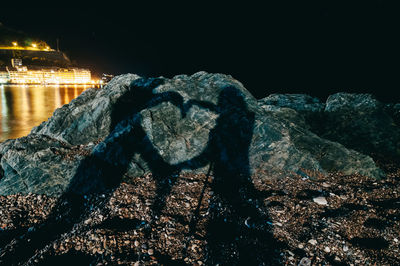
{"type": "Point", "coordinates": [21, 74]}
{"type": "Point", "coordinates": [47, 76]}
{"type": "Point", "coordinates": [33, 47]}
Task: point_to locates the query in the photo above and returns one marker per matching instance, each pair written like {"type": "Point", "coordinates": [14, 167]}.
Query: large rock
{"type": "Point", "coordinates": [300, 102]}
{"type": "Point", "coordinates": [358, 121]}
{"type": "Point", "coordinates": [394, 111]}
{"type": "Point", "coordinates": [135, 126]}
{"type": "Point", "coordinates": [39, 164]}
{"type": "Point", "coordinates": [302, 109]}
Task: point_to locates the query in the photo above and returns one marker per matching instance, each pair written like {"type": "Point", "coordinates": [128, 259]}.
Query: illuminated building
{"type": "Point", "coordinates": [23, 75]}
{"type": "Point", "coordinates": [16, 62]}
{"type": "Point", "coordinates": [4, 77]}
{"type": "Point", "coordinates": [39, 64]}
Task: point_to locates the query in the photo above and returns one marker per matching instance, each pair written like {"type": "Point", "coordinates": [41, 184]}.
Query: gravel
{"type": "Point", "coordinates": [360, 226]}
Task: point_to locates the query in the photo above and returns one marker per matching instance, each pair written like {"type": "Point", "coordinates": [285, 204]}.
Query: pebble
{"type": "Point", "coordinates": [301, 246]}
{"type": "Point", "coordinates": [320, 200]}
{"type": "Point", "coordinates": [150, 252]}
{"type": "Point", "coordinates": [312, 242]}
{"type": "Point", "coordinates": [327, 249]}
{"type": "Point", "coordinates": [345, 248]}
{"type": "Point", "coordinates": [326, 185]}
{"type": "Point", "coordinates": [305, 262]}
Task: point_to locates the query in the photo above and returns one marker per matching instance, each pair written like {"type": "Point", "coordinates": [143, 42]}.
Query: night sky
{"type": "Point", "coordinates": [317, 49]}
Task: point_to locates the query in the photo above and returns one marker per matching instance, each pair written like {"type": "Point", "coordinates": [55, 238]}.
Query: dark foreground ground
{"type": "Point", "coordinates": [359, 225]}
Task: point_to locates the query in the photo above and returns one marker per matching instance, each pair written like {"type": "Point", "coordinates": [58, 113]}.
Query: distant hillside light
{"type": "Point", "coordinates": [14, 43]}
{"type": "Point", "coordinates": [34, 45]}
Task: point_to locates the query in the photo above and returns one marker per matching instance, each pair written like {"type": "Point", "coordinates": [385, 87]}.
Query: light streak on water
{"type": "Point", "coordinates": [26, 106]}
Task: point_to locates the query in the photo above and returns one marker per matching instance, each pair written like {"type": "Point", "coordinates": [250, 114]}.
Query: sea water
{"type": "Point", "coordinates": [23, 107]}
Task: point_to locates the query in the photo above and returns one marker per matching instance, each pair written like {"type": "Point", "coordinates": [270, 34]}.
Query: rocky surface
{"type": "Point", "coordinates": [358, 121]}
{"type": "Point", "coordinates": [302, 109]}
{"type": "Point", "coordinates": [394, 111]}
{"type": "Point", "coordinates": [302, 103]}
{"type": "Point", "coordinates": [39, 164]}
{"type": "Point", "coordinates": [194, 170]}
{"type": "Point", "coordinates": [136, 126]}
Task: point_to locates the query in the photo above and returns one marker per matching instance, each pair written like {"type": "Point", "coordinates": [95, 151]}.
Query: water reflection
{"type": "Point", "coordinates": [24, 107]}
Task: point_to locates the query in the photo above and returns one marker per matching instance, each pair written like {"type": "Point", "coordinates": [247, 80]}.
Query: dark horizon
{"type": "Point", "coordinates": [316, 49]}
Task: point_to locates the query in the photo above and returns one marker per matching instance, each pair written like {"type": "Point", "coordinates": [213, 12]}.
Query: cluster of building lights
{"type": "Point", "coordinates": [48, 76]}
{"type": "Point", "coordinates": [19, 74]}
{"type": "Point", "coordinates": [33, 47]}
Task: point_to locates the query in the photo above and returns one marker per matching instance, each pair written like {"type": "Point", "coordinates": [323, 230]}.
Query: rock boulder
{"type": "Point", "coordinates": [358, 121]}
{"type": "Point", "coordinates": [134, 126]}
